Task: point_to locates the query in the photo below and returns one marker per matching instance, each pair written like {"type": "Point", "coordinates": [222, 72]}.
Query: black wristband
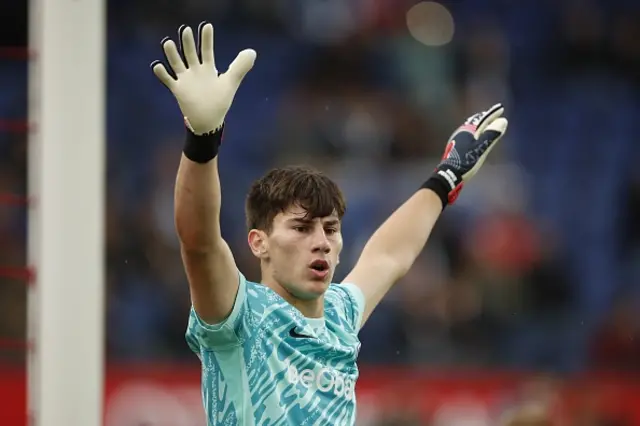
{"type": "Point", "coordinates": [202, 148]}
{"type": "Point", "coordinates": [440, 187]}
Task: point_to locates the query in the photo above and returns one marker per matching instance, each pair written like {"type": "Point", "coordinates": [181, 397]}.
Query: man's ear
{"type": "Point", "coordinates": [258, 243]}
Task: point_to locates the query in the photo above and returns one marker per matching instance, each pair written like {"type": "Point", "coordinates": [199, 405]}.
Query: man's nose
{"type": "Point", "coordinates": [321, 242]}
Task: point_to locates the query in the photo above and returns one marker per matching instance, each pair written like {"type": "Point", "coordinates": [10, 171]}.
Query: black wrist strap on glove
{"type": "Point", "coordinates": [446, 183]}
{"type": "Point", "coordinates": [438, 185]}
{"type": "Point", "coordinates": [202, 148]}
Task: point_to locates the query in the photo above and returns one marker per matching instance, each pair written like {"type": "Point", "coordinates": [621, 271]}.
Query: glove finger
{"type": "Point", "coordinates": [163, 75]}
{"type": "Point", "coordinates": [496, 128]}
{"type": "Point", "coordinates": [173, 56]}
{"type": "Point", "coordinates": [476, 123]}
{"type": "Point", "coordinates": [241, 65]}
{"type": "Point", "coordinates": [493, 133]}
{"type": "Point", "coordinates": [488, 117]}
{"type": "Point", "coordinates": [205, 30]}
{"type": "Point", "coordinates": [188, 45]}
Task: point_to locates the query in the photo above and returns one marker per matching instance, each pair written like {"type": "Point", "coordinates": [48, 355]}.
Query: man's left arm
{"type": "Point", "coordinates": [392, 249]}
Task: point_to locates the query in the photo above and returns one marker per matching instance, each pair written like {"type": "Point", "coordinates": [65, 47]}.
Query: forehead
{"type": "Point", "coordinates": [299, 214]}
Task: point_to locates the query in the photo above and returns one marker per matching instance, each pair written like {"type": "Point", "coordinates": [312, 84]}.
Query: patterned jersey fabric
{"type": "Point", "coordinates": [266, 364]}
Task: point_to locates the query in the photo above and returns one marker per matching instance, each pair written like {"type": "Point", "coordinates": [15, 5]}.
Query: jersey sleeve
{"type": "Point", "coordinates": [352, 306]}
{"type": "Point", "coordinates": [231, 332]}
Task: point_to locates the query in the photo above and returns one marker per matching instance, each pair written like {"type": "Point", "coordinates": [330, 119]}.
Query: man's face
{"type": "Point", "coordinates": [301, 254]}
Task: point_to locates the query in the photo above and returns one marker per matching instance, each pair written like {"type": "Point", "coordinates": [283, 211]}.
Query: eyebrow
{"type": "Point", "coordinates": [303, 221]}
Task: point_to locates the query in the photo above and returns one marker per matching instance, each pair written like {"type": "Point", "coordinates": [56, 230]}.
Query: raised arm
{"type": "Point", "coordinates": [393, 248]}
{"type": "Point", "coordinates": [204, 98]}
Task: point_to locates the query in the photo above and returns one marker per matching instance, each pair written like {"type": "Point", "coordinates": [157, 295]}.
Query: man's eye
{"type": "Point", "coordinates": [300, 228]}
{"type": "Point", "coordinates": [330, 231]}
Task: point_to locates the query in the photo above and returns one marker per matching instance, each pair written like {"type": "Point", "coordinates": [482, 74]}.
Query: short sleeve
{"type": "Point", "coordinates": [229, 333]}
{"type": "Point", "coordinates": [353, 302]}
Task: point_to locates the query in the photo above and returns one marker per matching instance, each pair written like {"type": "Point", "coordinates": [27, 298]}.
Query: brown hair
{"type": "Point", "coordinates": [290, 186]}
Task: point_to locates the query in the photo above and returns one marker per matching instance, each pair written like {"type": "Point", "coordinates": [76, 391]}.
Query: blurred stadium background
{"type": "Point", "coordinates": [529, 289]}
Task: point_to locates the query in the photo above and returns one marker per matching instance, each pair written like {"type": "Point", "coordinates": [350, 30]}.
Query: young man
{"type": "Point", "coordinates": [283, 351]}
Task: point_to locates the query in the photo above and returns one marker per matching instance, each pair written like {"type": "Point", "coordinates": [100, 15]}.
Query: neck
{"type": "Point", "coordinates": [310, 308]}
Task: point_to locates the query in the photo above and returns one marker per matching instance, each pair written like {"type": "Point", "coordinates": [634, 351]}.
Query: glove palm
{"type": "Point", "coordinates": [203, 94]}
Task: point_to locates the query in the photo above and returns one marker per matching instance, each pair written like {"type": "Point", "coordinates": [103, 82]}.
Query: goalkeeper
{"type": "Point", "coordinates": [283, 351]}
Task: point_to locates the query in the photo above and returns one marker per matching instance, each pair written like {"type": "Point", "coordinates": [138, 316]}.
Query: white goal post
{"type": "Point", "coordinates": [66, 192]}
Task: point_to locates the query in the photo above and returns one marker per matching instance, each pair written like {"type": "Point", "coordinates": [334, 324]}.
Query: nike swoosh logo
{"type": "Point", "coordinates": [293, 333]}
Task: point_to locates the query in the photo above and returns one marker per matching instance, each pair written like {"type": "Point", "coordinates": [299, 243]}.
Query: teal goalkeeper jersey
{"type": "Point", "coordinates": [266, 364]}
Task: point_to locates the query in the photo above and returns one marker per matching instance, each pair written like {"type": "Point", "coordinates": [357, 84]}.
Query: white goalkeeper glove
{"type": "Point", "coordinates": [204, 95]}
{"type": "Point", "coordinates": [466, 151]}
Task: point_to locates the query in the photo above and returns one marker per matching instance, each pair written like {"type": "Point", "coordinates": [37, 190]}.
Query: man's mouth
{"type": "Point", "coordinates": [319, 265]}
{"type": "Point", "coordinates": [319, 269]}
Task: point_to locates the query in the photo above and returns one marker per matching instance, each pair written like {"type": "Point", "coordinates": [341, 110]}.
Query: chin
{"type": "Point", "coordinates": [310, 289]}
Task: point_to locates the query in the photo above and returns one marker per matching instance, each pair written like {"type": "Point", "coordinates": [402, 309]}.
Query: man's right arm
{"type": "Point", "coordinates": [204, 96]}
{"type": "Point", "coordinates": [209, 264]}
